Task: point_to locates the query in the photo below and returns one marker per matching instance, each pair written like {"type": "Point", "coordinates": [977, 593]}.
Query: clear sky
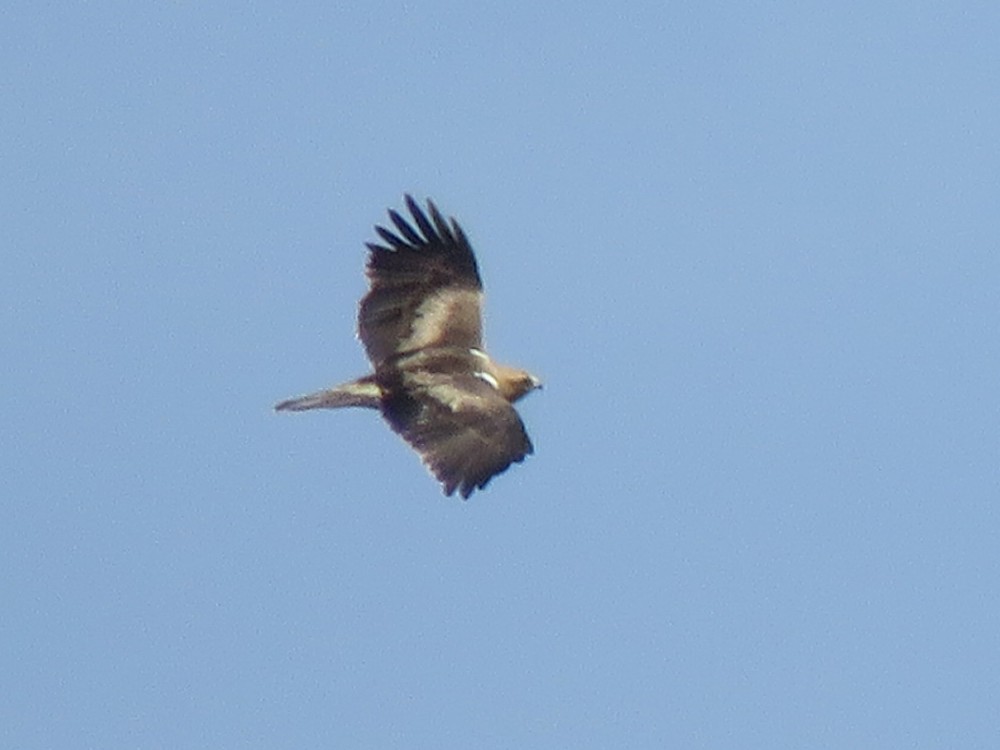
{"type": "Point", "coordinates": [752, 249]}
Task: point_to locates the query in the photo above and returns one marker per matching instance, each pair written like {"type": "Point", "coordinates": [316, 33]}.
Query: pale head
{"type": "Point", "coordinates": [514, 383]}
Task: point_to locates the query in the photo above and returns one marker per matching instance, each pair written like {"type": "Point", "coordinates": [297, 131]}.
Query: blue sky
{"type": "Point", "coordinates": [752, 250]}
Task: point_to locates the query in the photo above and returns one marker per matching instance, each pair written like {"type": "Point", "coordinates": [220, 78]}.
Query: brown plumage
{"type": "Point", "coordinates": [421, 326]}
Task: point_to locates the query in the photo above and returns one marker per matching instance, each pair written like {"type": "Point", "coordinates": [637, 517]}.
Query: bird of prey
{"type": "Point", "coordinates": [421, 326]}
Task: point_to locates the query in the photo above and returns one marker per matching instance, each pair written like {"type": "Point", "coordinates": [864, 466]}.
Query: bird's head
{"type": "Point", "coordinates": [515, 384]}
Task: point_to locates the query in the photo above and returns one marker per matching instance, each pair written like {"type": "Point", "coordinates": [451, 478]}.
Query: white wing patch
{"type": "Point", "coordinates": [482, 375]}
{"type": "Point", "coordinates": [488, 378]}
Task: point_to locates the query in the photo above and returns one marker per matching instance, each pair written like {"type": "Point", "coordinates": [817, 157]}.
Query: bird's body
{"type": "Point", "coordinates": [421, 326]}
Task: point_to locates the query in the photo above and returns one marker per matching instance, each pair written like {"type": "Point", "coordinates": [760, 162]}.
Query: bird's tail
{"type": "Point", "coordinates": [363, 392]}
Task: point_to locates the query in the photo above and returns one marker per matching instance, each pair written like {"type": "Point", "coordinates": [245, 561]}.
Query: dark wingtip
{"type": "Point", "coordinates": [459, 233]}
{"type": "Point", "coordinates": [413, 207]}
{"type": "Point", "coordinates": [389, 237]}
{"type": "Point", "coordinates": [434, 228]}
{"type": "Point", "coordinates": [440, 224]}
{"type": "Point", "coordinates": [420, 218]}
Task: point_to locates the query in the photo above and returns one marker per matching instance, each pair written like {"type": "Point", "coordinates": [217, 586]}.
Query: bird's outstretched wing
{"type": "Point", "coordinates": [424, 287]}
{"type": "Point", "coordinates": [464, 430]}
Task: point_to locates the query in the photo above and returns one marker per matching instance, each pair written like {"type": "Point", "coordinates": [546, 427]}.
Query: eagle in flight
{"type": "Point", "coordinates": [421, 326]}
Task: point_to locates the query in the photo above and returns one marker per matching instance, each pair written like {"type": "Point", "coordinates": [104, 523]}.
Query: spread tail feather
{"type": "Point", "coordinates": [363, 392]}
